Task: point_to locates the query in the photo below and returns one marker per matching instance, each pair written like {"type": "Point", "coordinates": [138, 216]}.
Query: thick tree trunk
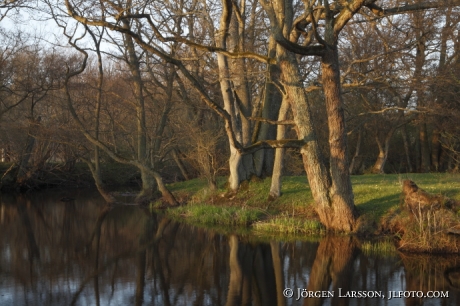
{"type": "Point", "coordinates": [314, 166]}
{"type": "Point", "coordinates": [148, 185]}
{"type": "Point", "coordinates": [333, 200]}
{"type": "Point", "coordinates": [342, 206]}
{"type": "Point", "coordinates": [234, 163]}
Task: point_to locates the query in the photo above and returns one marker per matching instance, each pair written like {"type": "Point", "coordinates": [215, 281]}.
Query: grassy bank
{"type": "Point", "coordinates": [377, 198]}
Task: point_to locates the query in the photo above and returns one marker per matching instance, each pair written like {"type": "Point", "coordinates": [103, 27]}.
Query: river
{"type": "Point", "coordinates": [66, 247]}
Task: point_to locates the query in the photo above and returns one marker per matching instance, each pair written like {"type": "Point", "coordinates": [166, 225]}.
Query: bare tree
{"type": "Point", "coordinates": [313, 30]}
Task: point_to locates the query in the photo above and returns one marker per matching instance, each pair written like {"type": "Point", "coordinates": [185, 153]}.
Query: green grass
{"type": "Point", "coordinates": [285, 224]}
{"type": "Point", "coordinates": [293, 212]}
{"type": "Point", "coordinates": [376, 194]}
{"type": "Point", "coordinates": [217, 215]}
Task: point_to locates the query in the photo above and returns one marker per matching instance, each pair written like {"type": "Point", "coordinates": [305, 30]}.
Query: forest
{"type": "Point", "coordinates": [236, 88]}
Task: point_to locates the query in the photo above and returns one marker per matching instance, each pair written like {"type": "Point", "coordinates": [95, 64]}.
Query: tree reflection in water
{"type": "Point", "coordinates": [83, 252]}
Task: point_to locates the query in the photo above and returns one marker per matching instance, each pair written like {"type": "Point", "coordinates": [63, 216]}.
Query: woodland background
{"type": "Point", "coordinates": [154, 85]}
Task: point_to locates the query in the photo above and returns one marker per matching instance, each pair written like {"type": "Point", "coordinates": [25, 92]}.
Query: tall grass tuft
{"type": "Point", "coordinates": [285, 224]}
{"type": "Point", "coordinates": [216, 215]}
{"type": "Point", "coordinates": [427, 232]}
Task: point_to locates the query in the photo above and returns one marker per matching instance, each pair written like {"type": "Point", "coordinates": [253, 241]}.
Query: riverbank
{"type": "Point", "coordinates": [75, 175]}
{"type": "Point", "coordinates": [377, 198]}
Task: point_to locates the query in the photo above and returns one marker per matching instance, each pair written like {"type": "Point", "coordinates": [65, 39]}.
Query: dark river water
{"type": "Point", "coordinates": [80, 252]}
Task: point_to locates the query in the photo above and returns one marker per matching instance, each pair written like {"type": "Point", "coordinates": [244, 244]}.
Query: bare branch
{"type": "Point", "coordinates": [274, 122]}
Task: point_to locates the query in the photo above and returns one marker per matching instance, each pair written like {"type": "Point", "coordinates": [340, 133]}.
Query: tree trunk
{"type": "Point", "coordinates": [418, 154]}
{"type": "Point", "coordinates": [342, 206]}
{"type": "Point", "coordinates": [23, 174]}
{"type": "Point", "coordinates": [134, 67]}
{"type": "Point", "coordinates": [240, 82]}
{"type": "Point", "coordinates": [165, 193]}
{"type": "Point", "coordinates": [275, 187]}
{"type": "Point", "coordinates": [356, 160]}
{"type": "Point", "coordinates": [148, 185]}
{"type": "Point", "coordinates": [435, 150]}
{"type": "Point", "coordinates": [99, 183]}
{"type": "Point", "coordinates": [379, 166]}
{"type": "Point", "coordinates": [314, 166]}
{"type": "Point", "coordinates": [229, 99]}
{"type": "Point", "coordinates": [263, 159]}
{"type": "Point", "coordinates": [424, 149]}
{"type": "Point", "coordinates": [180, 165]}
{"type": "Point", "coordinates": [234, 163]}
{"type": "Point", "coordinates": [333, 200]}
{"type": "Point", "coordinates": [406, 148]}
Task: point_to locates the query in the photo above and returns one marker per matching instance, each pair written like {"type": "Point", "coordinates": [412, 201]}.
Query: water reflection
{"type": "Point", "coordinates": [82, 252]}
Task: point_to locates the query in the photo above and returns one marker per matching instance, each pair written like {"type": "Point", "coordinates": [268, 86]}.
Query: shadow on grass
{"type": "Point", "coordinates": [379, 206]}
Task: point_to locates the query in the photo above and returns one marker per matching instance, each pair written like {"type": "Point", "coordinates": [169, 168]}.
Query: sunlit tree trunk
{"type": "Point", "coordinates": [314, 166]}
{"type": "Point", "coordinates": [331, 189]}
{"type": "Point", "coordinates": [228, 97]}
{"type": "Point", "coordinates": [340, 212]}
{"type": "Point", "coordinates": [240, 85]}
{"type": "Point", "coordinates": [278, 165]}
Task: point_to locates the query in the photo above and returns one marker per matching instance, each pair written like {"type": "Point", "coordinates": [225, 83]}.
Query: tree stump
{"type": "Point", "coordinates": [418, 201]}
